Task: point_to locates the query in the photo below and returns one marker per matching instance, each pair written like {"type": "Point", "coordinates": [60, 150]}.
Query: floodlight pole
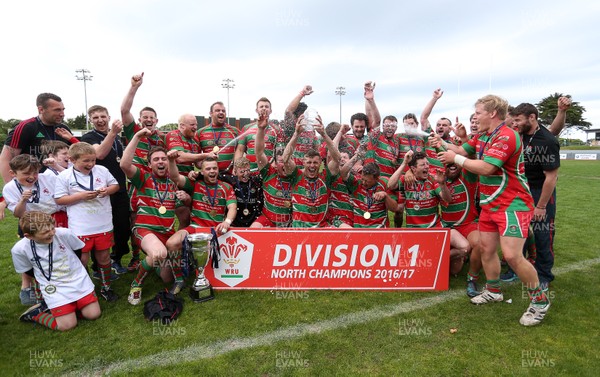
{"type": "Point", "coordinates": [85, 77]}
{"type": "Point", "coordinates": [340, 91]}
{"type": "Point", "coordinates": [228, 84]}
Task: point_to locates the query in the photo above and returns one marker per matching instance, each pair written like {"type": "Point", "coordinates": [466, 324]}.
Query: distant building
{"type": "Point", "coordinates": [593, 136]}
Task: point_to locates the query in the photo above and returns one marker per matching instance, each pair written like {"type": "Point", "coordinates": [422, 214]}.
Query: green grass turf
{"type": "Point", "coordinates": [489, 340]}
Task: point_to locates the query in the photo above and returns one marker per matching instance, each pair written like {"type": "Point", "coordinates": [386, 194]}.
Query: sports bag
{"type": "Point", "coordinates": [165, 307]}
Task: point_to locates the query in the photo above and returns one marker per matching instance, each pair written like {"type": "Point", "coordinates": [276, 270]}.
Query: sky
{"type": "Point", "coordinates": [521, 50]}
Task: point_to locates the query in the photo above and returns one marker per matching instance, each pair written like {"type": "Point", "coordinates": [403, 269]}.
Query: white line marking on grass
{"type": "Point", "coordinates": [206, 351]}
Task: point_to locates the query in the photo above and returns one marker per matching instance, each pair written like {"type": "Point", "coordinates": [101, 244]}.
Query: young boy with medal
{"type": "Point", "coordinates": [66, 287]}
{"type": "Point", "coordinates": [29, 191]}
{"type": "Point", "coordinates": [85, 190]}
{"type": "Point", "coordinates": [155, 218]}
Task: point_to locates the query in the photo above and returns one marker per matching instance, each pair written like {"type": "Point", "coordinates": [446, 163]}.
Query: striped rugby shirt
{"type": "Point", "coordinates": [507, 188]}
{"type": "Point", "coordinates": [421, 201]}
{"type": "Point", "coordinates": [249, 141]}
{"type": "Point", "coordinates": [176, 141]}
{"type": "Point", "coordinates": [306, 141]}
{"type": "Point", "coordinates": [461, 210]}
{"type": "Point", "coordinates": [210, 136]}
{"type": "Point", "coordinates": [149, 193]}
{"type": "Point", "coordinates": [310, 198]}
{"type": "Point", "coordinates": [209, 202]}
{"type": "Point", "coordinates": [362, 197]}
{"type": "Point", "coordinates": [384, 152]}
{"type": "Point", "coordinates": [144, 145]}
{"type": "Point", "coordinates": [340, 203]}
{"type": "Point", "coordinates": [277, 191]}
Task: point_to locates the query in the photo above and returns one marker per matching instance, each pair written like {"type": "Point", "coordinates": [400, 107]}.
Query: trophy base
{"type": "Point", "coordinates": [202, 294]}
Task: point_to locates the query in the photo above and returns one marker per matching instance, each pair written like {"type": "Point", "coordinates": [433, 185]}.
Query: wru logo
{"type": "Point", "coordinates": [231, 250]}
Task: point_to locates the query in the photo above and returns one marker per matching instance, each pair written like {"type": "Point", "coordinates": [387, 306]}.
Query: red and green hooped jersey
{"type": "Point", "coordinates": [384, 152]}
{"type": "Point", "coordinates": [204, 213]}
{"type": "Point", "coordinates": [340, 203]}
{"type": "Point", "coordinates": [353, 140]}
{"type": "Point", "coordinates": [344, 146]}
{"type": "Point", "coordinates": [306, 141]}
{"type": "Point", "coordinates": [362, 197]}
{"type": "Point", "coordinates": [209, 137]}
{"type": "Point", "coordinates": [507, 188]}
{"type": "Point", "coordinates": [310, 198]}
{"type": "Point", "coordinates": [278, 196]}
{"type": "Point", "coordinates": [461, 210]}
{"type": "Point", "coordinates": [144, 145]}
{"type": "Point", "coordinates": [435, 164]}
{"type": "Point", "coordinates": [421, 201]}
{"type": "Point", "coordinates": [176, 141]}
{"type": "Point", "coordinates": [407, 143]}
{"type": "Point", "coordinates": [353, 143]}
{"type": "Point", "coordinates": [149, 202]}
{"type": "Point", "coordinates": [249, 141]}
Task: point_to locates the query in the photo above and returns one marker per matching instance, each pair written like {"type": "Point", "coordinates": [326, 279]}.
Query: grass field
{"type": "Point", "coordinates": [277, 333]}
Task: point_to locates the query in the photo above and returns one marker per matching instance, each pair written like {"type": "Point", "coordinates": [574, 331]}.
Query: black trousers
{"type": "Point", "coordinates": [121, 224]}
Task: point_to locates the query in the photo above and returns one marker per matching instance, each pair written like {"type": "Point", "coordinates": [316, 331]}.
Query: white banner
{"type": "Point", "coordinates": [585, 156]}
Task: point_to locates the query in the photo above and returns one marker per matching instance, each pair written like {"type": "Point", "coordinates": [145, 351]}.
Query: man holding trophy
{"type": "Point", "coordinates": [214, 205]}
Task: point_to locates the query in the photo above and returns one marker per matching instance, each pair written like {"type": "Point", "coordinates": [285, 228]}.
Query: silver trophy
{"type": "Point", "coordinates": [199, 243]}
{"type": "Point", "coordinates": [310, 119]}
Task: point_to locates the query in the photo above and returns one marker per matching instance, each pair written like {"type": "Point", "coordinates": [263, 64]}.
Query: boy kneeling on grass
{"type": "Point", "coordinates": [67, 289]}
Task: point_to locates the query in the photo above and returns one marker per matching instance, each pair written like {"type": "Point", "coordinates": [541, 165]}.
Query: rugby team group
{"type": "Point", "coordinates": [492, 183]}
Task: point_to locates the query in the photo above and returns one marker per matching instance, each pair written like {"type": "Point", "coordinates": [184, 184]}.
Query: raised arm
{"type": "Point", "coordinates": [239, 152]}
{"type": "Point", "coordinates": [306, 91]}
{"type": "Point", "coordinates": [334, 162]}
{"type": "Point", "coordinates": [126, 163]}
{"type": "Point", "coordinates": [103, 149]}
{"type": "Point", "coordinates": [338, 137]}
{"type": "Point", "coordinates": [370, 107]}
{"type": "Point", "coordinates": [259, 147]}
{"type": "Point", "coordinates": [345, 169]}
{"type": "Point", "coordinates": [437, 94]}
{"type": "Point", "coordinates": [460, 131]}
{"type": "Point", "coordinates": [136, 82]}
{"type": "Point", "coordinates": [288, 161]}
{"type": "Point", "coordinates": [395, 178]}
{"type": "Point", "coordinates": [173, 171]}
{"type": "Point", "coordinates": [564, 103]}
{"type": "Point", "coordinates": [440, 178]}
